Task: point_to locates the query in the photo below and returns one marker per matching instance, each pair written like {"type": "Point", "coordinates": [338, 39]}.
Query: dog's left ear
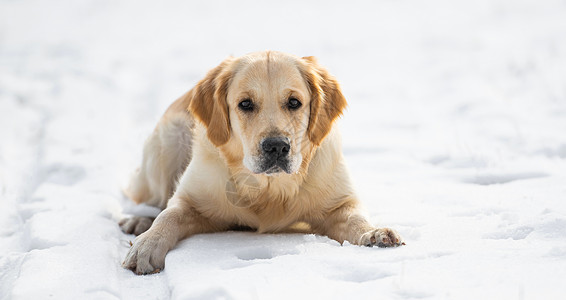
{"type": "Point", "coordinates": [327, 101]}
{"type": "Point", "coordinates": [208, 102]}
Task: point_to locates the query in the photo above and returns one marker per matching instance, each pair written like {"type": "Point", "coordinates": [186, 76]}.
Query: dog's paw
{"type": "Point", "coordinates": [382, 237]}
{"type": "Point", "coordinates": [136, 225]}
{"type": "Point", "coordinates": [147, 255]}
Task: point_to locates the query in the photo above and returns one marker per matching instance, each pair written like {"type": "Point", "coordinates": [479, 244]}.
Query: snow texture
{"type": "Point", "coordinates": [454, 136]}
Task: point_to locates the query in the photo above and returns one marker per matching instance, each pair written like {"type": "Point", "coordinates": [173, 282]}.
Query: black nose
{"type": "Point", "coordinates": [275, 146]}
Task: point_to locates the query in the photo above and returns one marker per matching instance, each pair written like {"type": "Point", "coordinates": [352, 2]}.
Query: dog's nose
{"type": "Point", "coordinates": [275, 146]}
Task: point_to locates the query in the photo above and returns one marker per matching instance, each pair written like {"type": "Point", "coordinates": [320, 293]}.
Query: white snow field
{"type": "Point", "coordinates": [455, 136]}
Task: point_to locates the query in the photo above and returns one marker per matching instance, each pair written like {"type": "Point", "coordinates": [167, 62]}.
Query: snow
{"type": "Point", "coordinates": [454, 136]}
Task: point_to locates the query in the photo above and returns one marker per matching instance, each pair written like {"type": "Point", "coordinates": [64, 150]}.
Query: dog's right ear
{"type": "Point", "coordinates": [208, 103]}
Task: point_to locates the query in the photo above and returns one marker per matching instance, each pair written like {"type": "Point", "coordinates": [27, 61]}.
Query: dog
{"type": "Point", "coordinates": [251, 145]}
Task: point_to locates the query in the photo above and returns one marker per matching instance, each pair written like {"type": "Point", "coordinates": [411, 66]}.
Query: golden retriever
{"type": "Point", "coordinates": [251, 145]}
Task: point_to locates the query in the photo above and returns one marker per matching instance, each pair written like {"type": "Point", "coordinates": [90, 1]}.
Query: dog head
{"type": "Point", "coordinates": [274, 107]}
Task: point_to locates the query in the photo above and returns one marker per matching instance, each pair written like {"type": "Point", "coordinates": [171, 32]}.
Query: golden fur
{"type": "Point", "coordinates": [216, 161]}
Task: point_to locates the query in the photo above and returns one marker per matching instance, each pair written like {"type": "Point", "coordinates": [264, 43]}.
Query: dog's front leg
{"type": "Point", "coordinates": [347, 224]}
{"type": "Point", "coordinates": [176, 222]}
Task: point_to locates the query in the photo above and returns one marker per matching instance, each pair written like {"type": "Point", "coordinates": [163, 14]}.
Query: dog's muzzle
{"type": "Point", "coordinates": [275, 155]}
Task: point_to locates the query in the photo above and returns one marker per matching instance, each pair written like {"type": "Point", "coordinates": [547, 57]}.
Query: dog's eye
{"type": "Point", "coordinates": [246, 105]}
{"type": "Point", "coordinates": [294, 103]}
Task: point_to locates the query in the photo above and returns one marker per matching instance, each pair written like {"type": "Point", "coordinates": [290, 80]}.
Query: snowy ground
{"type": "Point", "coordinates": [455, 136]}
